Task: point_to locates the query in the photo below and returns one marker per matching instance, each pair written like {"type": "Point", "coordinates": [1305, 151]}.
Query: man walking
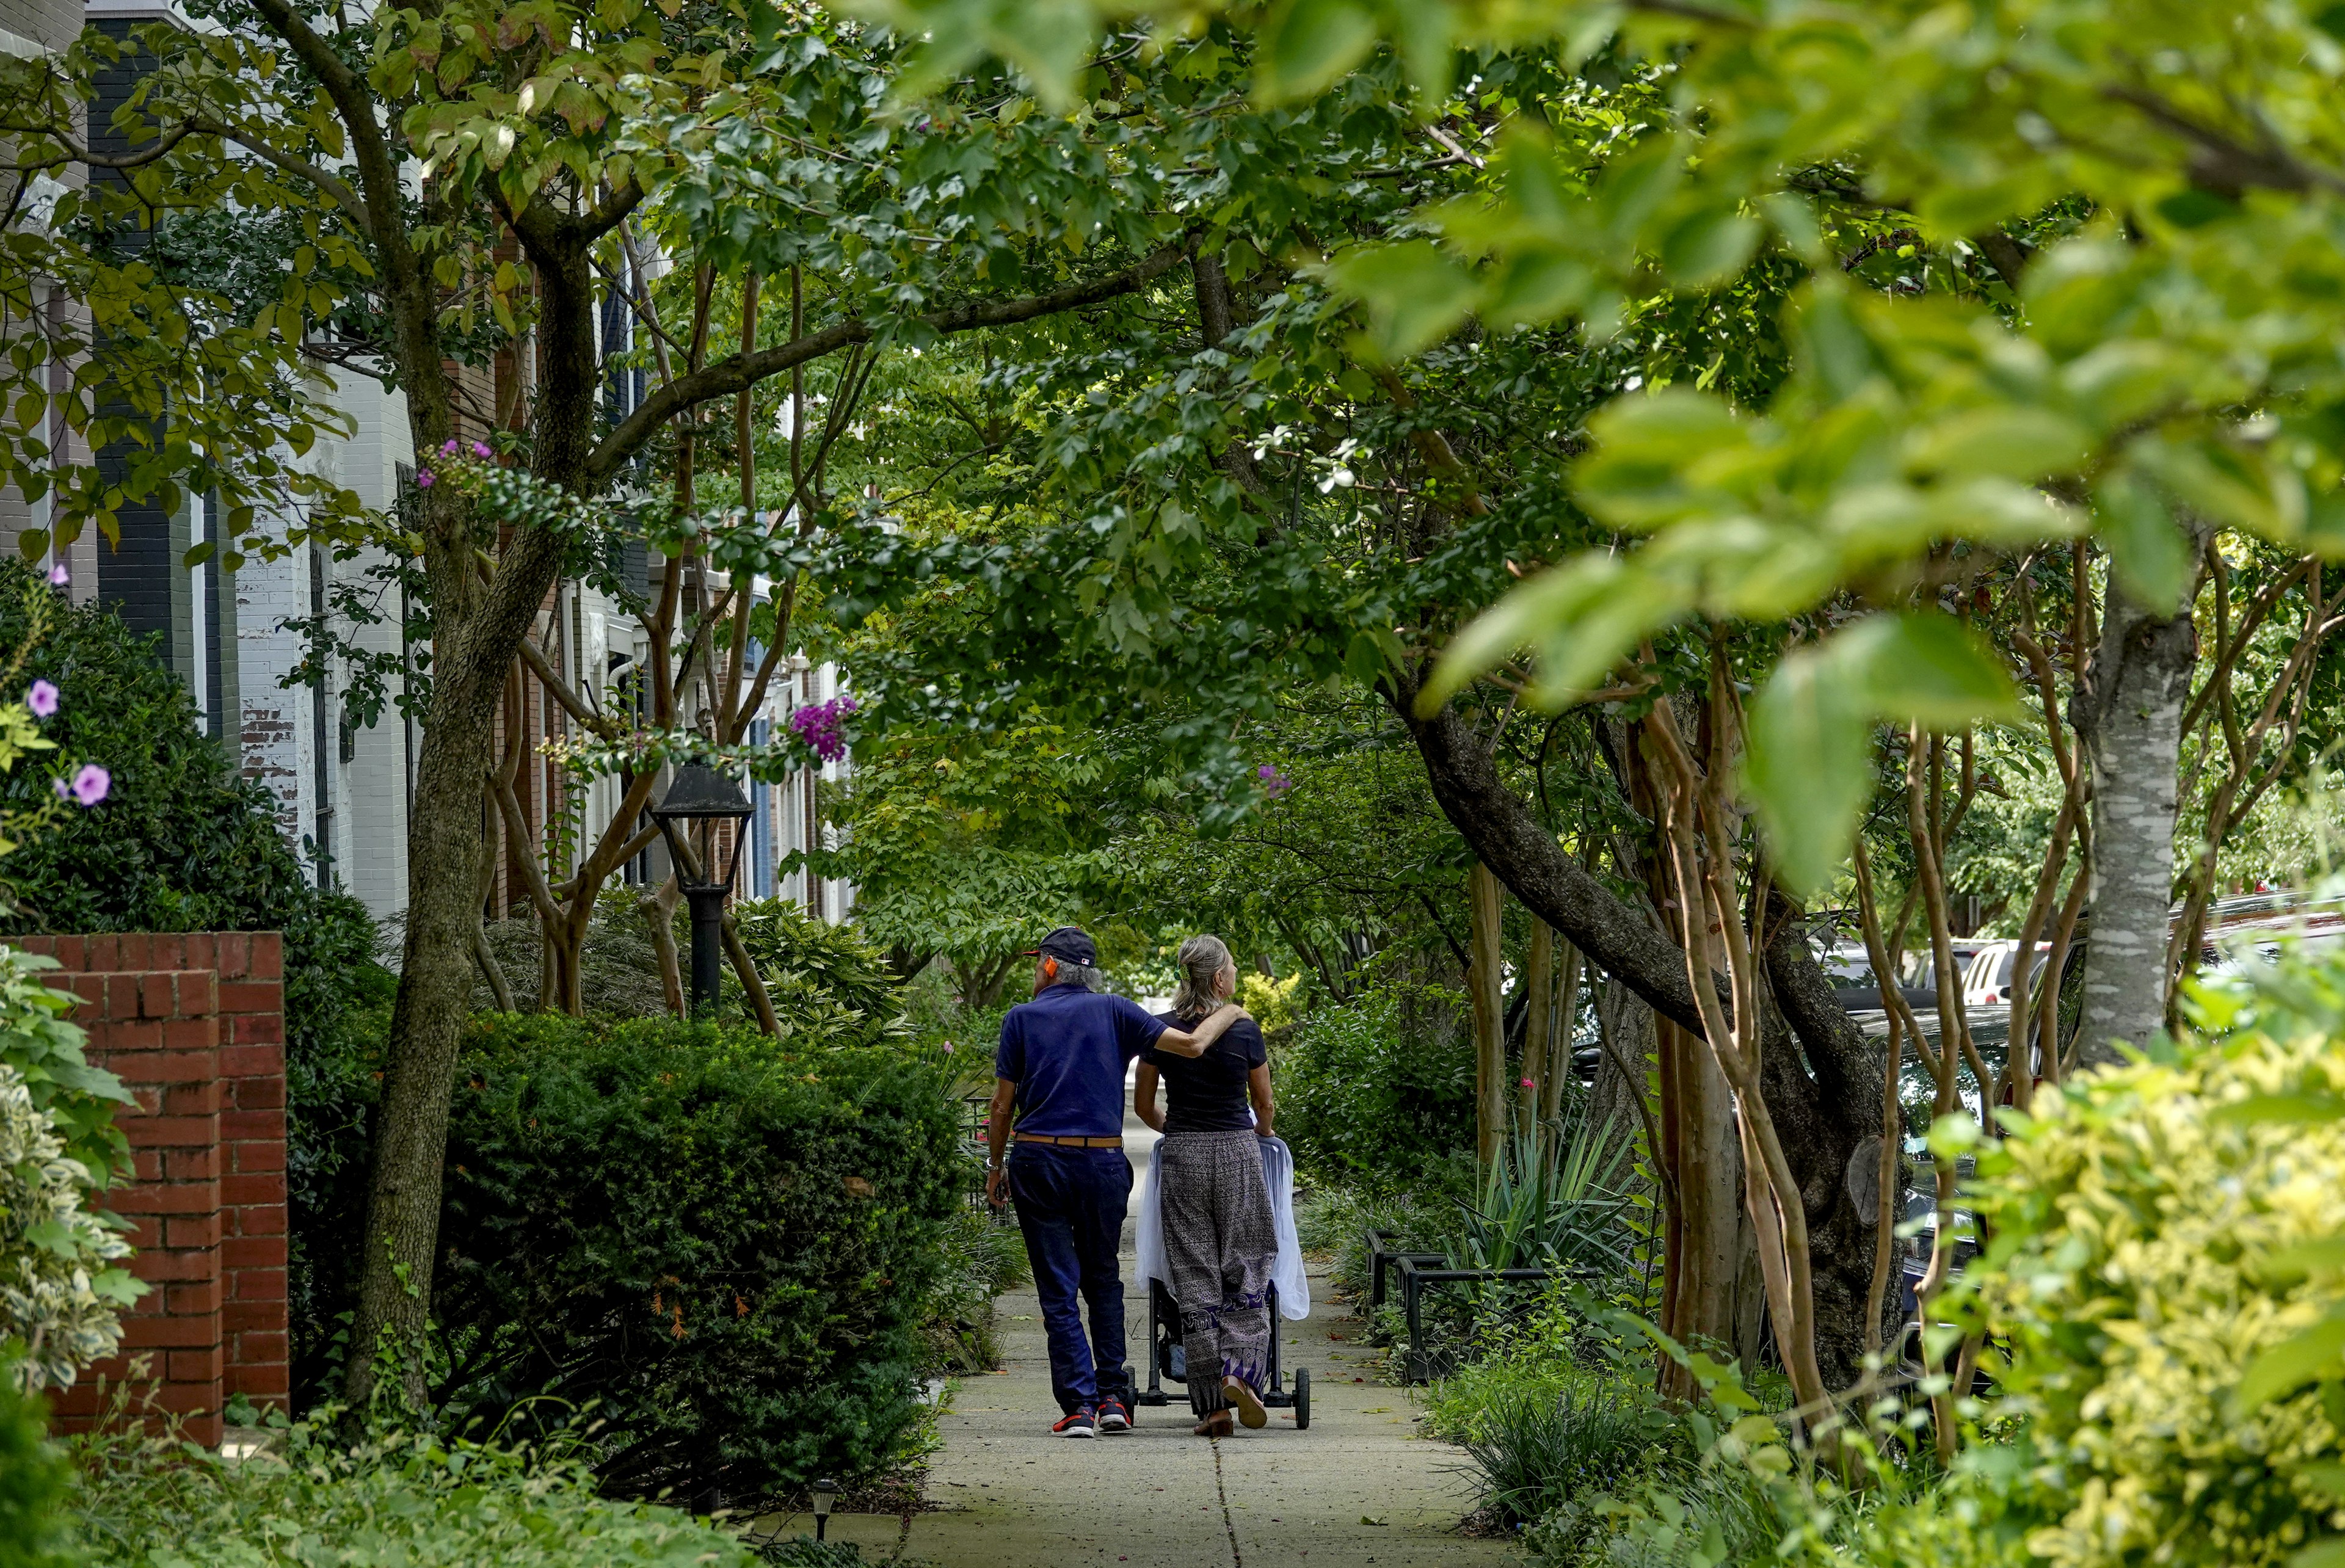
{"type": "Point", "coordinates": [1059, 1067]}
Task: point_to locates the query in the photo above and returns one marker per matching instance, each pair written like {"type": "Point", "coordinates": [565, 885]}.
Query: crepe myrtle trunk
{"type": "Point", "coordinates": [477, 632]}
{"type": "Point", "coordinates": [1820, 1073]}
{"type": "Point", "coordinates": [2127, 709]}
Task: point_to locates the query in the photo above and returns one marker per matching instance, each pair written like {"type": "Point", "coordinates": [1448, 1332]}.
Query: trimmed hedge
{"type": "Point", "coordinates": [725, 1245]}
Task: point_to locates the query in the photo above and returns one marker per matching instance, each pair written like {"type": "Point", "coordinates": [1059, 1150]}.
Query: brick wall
{"type": "Point", "coordinates": [194, 1025]}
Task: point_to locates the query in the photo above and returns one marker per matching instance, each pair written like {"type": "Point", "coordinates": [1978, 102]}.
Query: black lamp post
{"type": "Point", "coordinates": [698, 798]}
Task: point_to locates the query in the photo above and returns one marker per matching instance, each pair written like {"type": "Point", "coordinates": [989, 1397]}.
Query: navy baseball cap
{"type": "Point", "coordinates": [1068, 945]}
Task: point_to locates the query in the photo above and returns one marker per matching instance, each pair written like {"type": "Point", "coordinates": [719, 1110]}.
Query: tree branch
{"type": "Point", "coordinates": [741, 371]}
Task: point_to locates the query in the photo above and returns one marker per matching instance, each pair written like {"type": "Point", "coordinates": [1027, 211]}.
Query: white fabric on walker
{"type": "Point", "coordinates": [1278, 1175]}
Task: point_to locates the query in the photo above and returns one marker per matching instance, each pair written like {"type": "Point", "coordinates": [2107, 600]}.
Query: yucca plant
{"type": "Point", "coordinates": [1553, 1199]}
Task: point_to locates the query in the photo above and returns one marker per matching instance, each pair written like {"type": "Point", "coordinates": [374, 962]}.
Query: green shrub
{"type": "Point", "coordinates": [1533, 1447]}
{"type": "Point", "coordinates": [77, 1099]}
{"type": "Point", "coordinates": [61, 1278]}
{"type": "Point", "coordinates": [723, 1244]}
{"type": "Point", "coordinates": [1335, 1219]}
{"type": "Point", "coordinates": [183, 842]}
{"type": "Point", "coordinates": [1380, 1090]}
{"type": "Point", "coordinates": [823, 979]}
{"type": "Point", "coordinates": [153, 1502]}
{"type": "Point", "coordinates": [619, 970]}
{"type": "Point", "coordinates": [980, 1259]}
{"type": "Point", "coordinates": [35, 1476]}
{"type": "Point", "coordinates": [2159, 1230]}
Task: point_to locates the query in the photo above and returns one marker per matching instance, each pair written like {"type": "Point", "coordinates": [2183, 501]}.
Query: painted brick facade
{"type": "Point", "coordinates": [193, 1024]}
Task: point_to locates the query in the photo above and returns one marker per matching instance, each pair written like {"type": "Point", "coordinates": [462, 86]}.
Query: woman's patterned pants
{"type": "Point", "coordinates": [1220, 1244]}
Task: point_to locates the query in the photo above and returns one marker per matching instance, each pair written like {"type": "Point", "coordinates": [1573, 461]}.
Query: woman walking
{"type": "Point", "coordinates": [1220, 1241]}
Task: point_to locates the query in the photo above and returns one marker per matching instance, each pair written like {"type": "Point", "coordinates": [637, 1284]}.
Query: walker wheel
{"type": "Point", "coordinates": [1302, 1398]}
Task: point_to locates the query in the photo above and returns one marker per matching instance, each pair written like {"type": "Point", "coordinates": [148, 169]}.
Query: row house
{"type": "Point", "coordinates": [237, 638]}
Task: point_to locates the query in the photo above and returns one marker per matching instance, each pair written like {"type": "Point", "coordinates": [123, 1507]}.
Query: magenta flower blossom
{"type": "Point", "coordinates": [42, 699]}
{"type": "Point", "coordinates": [1528, 1084]}
{"type": "Point", "coordinates": [59, 576]}
{"type": "Point", "coordinates": [817, 727]}
{"type": "Point", "coordinates": [481, 451]}
{"type": "Point", "coordinates": [1274, 783]}
{"type": "Point", "coordinates": [90, 785]}
{"type": "Point", "coordinates": [424, 479]}
{"type": "Point", "coordinates": [448, 448]}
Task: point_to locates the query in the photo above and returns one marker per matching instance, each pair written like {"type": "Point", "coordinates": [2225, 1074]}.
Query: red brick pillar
{"type": "Point", "coordinates": [193, 1025]}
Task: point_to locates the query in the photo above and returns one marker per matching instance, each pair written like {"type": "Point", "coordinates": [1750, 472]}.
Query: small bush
{"type": "Point", "coordinates": [825, 980]}
{"type": "Point", "coordinates": [619, 972]}
{"type": "Point", "coordinates": [2159, 1230]}
{"type": "Point", "coordinates": [46, 1052]}
{"type": "Point", "coordinates": [981, 1260]}
{"type": "Point", "coordinates": [35, 1477]}
{"type": "Point", "coordinates": [153, 1502]}
{"type": "Point", "coordinates": [1534, 1448]}
{"type": "Point", "coordinates": [1335, 1219]}
{"type": "Point", "coordinates": [725, 1245]}
{"type": "Point", "coordinates": [61, 1278]}
{"type": "Point", "coordinates": [1380, 1090]}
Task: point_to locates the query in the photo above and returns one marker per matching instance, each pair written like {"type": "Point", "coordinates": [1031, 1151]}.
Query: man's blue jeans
{"type": "Point", "coordinates": [1070, 1205]}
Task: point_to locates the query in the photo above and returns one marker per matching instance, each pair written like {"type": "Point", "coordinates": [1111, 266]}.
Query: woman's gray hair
{"type": "Point", "coordinates": [1203, 959]}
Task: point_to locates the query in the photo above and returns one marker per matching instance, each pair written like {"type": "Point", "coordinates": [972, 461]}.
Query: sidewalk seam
{"type": "Point", "coordinates": [1222, 1492]}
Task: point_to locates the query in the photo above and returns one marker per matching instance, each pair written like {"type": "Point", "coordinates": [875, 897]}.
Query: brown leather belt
{"type": "Point", "coordinates": [1069, 1142]}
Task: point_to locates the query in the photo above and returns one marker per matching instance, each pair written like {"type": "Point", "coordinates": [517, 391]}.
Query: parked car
{"type": "Point", "coordinates": [1850, 969]}
{"type": "Point", "coordinates": [1987, 982]}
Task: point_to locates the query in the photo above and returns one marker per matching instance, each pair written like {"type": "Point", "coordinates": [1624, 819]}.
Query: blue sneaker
{"type": "Point", "coordinates": [1112, 1416]}
{"type": "Point", "coordinates": [1078, 1422]}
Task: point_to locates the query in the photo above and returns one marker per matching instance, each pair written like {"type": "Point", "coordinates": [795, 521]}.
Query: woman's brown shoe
{"type": "Point", "coordinates": [1248, 1403]}
{"type": "Point", "coordinates": [1214, 1426]}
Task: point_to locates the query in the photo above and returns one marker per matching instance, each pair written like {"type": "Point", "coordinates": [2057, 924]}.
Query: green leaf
{"type": "Point", "coordinates": [1581, 618]}
{"type": "Point", "coordinates": [2286, 1110]}
{"type": "Point", "coordinates": [1925, 670]}
{"type": "Point", "coordinates": [2194, 208]}
{"type": "Point", "coordinates": [1421, 32]}
{"type": "Point", "coordinates": [2013, 441]}
{"type": "Point", "coordinates": [2329, 1554]}
{"type": "Point", "coordinates": [1810, 768]}
{"type": "Point", "coordinates": [1709, 249]}
{"type": "Point", "coordinates": [1414, 293]}
{"type": "Point", "coordinates": [1308, 44]}
{"type": "Point", "coordinates": [2290, 1364]}
{"type": "Point", "coordinates": [2137, 527]}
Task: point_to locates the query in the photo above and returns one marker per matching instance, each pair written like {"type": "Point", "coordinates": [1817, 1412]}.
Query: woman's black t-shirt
{"type": "Point", "coordinates": [1208, 1093]}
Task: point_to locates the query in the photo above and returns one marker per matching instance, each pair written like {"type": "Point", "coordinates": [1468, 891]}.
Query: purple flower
{"type": "Point", "coordinates": [448, 448]}
{"type": "Point", "coordinates": [424, 479]}
{"type": "Point", "coordinates": [817, 727]}
{"type": "Point", "coordinates": [42, 699]}
{"type": "Point", "coordinates": [1274, 783]}
{"type": "Point", "coordinates": [481, 451]}
{"type": "Point", "coordinates": [59, 576]}
{"type": "Point", "coordinates": [90, 785]}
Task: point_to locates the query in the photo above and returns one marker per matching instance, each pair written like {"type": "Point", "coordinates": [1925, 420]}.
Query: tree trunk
{"type": "Point", "coordinates": [1702, 1298]}
{"type": "Point", "coordinates": [2127, 709]}
{"type": "Point", "coordinates": [1485, 983]}
{"type": "Point", "coordinates": [477, 634]}
{"type": "Point", "coordinates": [1823, 1086]}
{"type": "Point", "coordinates": [1539, 1021]}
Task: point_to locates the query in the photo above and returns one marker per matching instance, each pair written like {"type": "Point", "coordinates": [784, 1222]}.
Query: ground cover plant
{"type": "Point", "coordinates": [154, 1503]}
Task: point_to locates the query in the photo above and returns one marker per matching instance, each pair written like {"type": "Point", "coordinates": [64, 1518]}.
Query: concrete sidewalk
{"type": "Point", "coordinates": [1006, 1493]}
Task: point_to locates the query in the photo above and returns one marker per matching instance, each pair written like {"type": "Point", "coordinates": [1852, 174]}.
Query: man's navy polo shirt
{"type": "Point", "coordinates": [1066, 1051]}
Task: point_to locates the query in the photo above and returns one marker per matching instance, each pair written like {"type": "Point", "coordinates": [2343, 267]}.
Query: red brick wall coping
{"type": "Point", "coordinates": [193, 1024]}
